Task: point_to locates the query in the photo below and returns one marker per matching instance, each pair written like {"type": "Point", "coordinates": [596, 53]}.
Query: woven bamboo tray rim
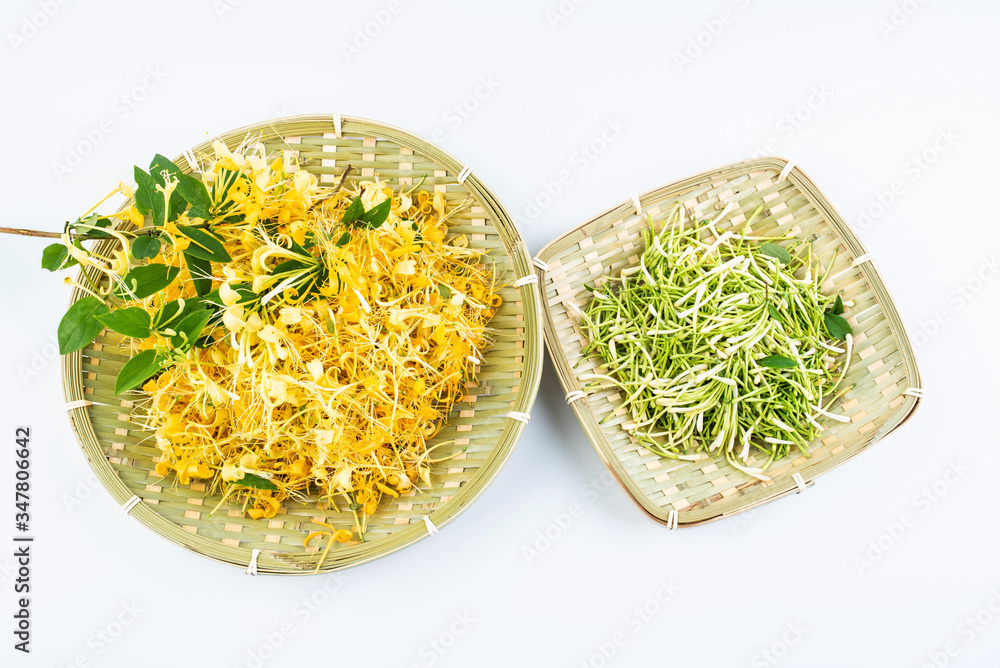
{"type": "Point", "coordinates": [507, 381]}
{"type": "Point", "coordinates": [612, 240]}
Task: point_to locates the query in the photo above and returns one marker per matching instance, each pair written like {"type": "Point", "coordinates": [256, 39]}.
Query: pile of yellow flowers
{"type": "Point", "coordinates": [335, 350]}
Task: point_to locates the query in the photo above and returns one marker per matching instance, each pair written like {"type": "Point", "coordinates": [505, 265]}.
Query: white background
{"type": "Point", "coordinates": [855, 92]}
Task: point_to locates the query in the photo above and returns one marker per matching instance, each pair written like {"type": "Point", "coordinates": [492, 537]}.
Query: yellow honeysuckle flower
{"type": "Point", "coordinates": [315, 368]}
{"type": "Point", "coordinates": [120, 264]}
{"type": "Point", "coordinates": [406, 268]}
{"type": "Point", "coordinates": [232, 318]}
{"type": "Point", "coordinates": [135, 217]}
{"type": "Point", "coordinates": [300, 467]}
{"type": "Point", "coordinates": [301, 181]}
{"type": "Point", "coordinates": [227, 294]}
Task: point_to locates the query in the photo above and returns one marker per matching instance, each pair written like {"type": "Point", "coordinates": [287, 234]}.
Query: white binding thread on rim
{"type": "Point", "coordinates": [432, 530]}
{"type": "Point", "coordinates": [867, 257]}
{"type": "Point", "coordinates": [79, 403]}
{"type": "Point", "coordinates": [917, 392]}
{"type": "Point", "coordinates": [575, 395]}
{"type": "Point", "coordinates": [538, 262]}
{"type": "Point", "coordinates": [338, 126]}
{"type": "Point", "coordinates": [130, 504]}
{"type": "Point", "coordinates": [252, 566]}
{"type": "Point", "coordinates": [786, 170]}
{"type": "Point", "coordinates": [519, 416]}
{"type": "Point", "coordinates": [799, 482]}
{"type": "Point", "coordinates": [672, 519]}
{"type": "Point", "coordinates": [464, 174]}
{"type": "Point", "coordinates": [635, 203]}
{"type": "Point", "coordinates": [526, 280]}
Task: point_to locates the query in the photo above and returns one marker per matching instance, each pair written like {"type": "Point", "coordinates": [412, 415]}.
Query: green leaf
{"type": "Point", "coordinates": [204, 244]}
{"type": "Point", "coordinates": [251, 480]}
{"type": "Point", "coordinates": [776, 251]}
{"type": "Point", "coordinates": [145, 247]}
{"type": "Point", "coordinates": [838, 306]}
{"type": "Point", "coordinates": [80, 324]}
{"type": "Point", "coordinates": [93, 225]}
{"type": "Point", "coordinates": [149, 279]}
{"type": "Point", "coordinates": [196, 193]}
{"type": "Point", "coordinates": [161, 163]}
{"type": "Point", "coordinates": [201, 272]}
{"type": "Point", "coordinates": [331, 326]}
{"type": "Point", "coordinates": [189, 329]}
{"type": "Point", "coordinates": [298, 248]}
{"type": "Point", "coordinates": [377, 215]}
{"type": "Point", "coordinates": [56, 256]}
{"type": "Point", "coordinates": [444, 290]}
{"type": "Point", "coordinates": [132, 321]}
{"type": "Point", "coordinates": [209, 300]}
{"type": "Point", "coordinates": [778, 362]}
{"type": "Point", "coordinates": [838, 327]}
{"type": "Point", "coordinates": [353, 211]}
{"type": "Point", "coordinates": [145, 191]}
{"type": "Point", "coordinates": [137, 371]}
{"type": "Point", "coordinates": [206, 341]}
{"type": "Point", "coordinates": [344, 239]}
{"type": "Point", "coordinates": [774, 312]}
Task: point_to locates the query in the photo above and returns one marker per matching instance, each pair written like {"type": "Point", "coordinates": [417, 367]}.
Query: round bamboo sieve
{"type": "Point", "coordinates": [485, 423]}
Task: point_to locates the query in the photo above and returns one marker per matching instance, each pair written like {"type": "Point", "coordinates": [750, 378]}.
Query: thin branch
{"type": "Point", "coordinates": [141, 232]}
{"type": "Point", "coordinates": [343, 179]}
{"type": "Point", "coordinates": [30, 233]}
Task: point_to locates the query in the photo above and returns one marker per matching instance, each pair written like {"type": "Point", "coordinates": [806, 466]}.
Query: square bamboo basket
{"type": "Point", "coordinates": [485, 423]}
{"type": "Point", "coordinates": [883, 375]}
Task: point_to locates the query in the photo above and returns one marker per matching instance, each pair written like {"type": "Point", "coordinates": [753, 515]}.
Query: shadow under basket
{"type": "Point", "coordinates": [883, 376]}
{"type": "Point", "coordinates": [481, 431]}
